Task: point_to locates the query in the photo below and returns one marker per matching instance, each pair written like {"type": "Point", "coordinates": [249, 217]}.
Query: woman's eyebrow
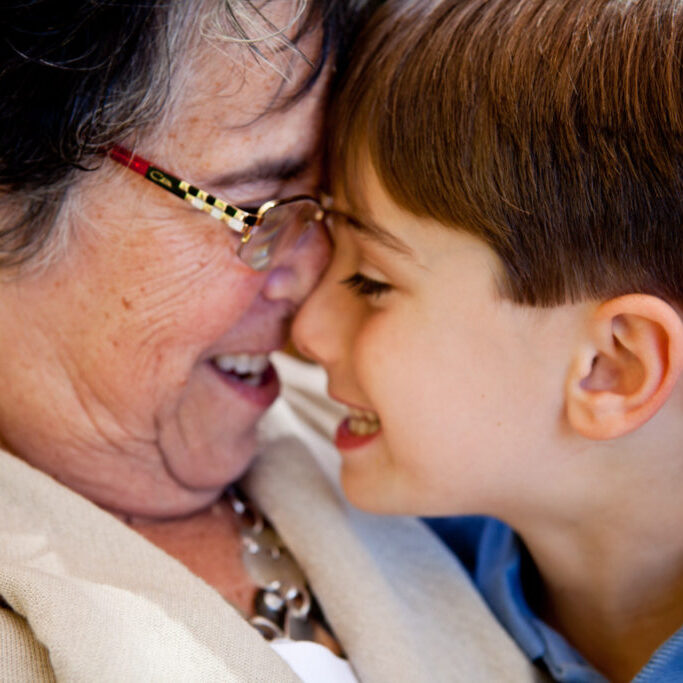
{"type": "Point", "coordinates": [266, 170]}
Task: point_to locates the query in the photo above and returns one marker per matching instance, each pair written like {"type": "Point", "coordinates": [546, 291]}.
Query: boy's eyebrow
{"type": "Point", "coordinates": [377, 233]}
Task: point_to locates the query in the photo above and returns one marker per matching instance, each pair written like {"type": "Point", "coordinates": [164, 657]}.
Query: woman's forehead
{"type": "Point", "coordinates": [233, 82]}
{"type": "Point", "coordinates": [229, 117]}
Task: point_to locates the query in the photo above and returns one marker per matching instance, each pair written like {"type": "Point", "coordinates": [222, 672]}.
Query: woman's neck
{"type": "Point", "coordinates": [208, 543]}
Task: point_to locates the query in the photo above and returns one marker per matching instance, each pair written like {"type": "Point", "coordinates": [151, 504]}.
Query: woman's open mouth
{"type": "Point", "coordinates": [252, 375]}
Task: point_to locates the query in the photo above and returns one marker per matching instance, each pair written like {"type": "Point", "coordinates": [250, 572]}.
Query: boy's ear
{"type": "Point", "coordinates": [626, 366]}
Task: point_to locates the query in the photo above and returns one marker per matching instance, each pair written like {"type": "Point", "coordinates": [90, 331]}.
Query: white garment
{"type": "Point", "coordinates": [94, 601]}
{"type": "Point", "coordinates": [314, 663]}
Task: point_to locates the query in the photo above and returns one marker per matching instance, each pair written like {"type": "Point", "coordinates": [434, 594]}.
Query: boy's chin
{"type": "Point", "coordinates": [379, 496]}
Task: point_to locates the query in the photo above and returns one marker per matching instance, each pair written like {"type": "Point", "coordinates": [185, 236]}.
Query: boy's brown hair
{"type": "Point", "coordinates": [551, 129]}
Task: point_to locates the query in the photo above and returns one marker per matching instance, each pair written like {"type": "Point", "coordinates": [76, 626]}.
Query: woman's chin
{"type": "Point", "coordinates": [211, 467]}
{"type": "Point", "coordinates": [178, 487]}
{"type": "Point", "coordinates": [171, 505]}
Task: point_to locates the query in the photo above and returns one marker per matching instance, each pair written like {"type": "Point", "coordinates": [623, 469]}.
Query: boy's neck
{"type": "Point", "coordinates": [616, 598]}
{"type": "Point", "coordinates": [618, 640]}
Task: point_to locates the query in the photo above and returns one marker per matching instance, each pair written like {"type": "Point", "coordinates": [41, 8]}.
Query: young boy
{"type": "Point", "coordinates": [503, 311]}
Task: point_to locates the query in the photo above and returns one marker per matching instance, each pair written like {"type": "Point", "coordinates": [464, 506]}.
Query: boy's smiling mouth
{"type": "Point", "coordinates": [358, 429]}
{"type": "Point", "coordinates": [363, 422]}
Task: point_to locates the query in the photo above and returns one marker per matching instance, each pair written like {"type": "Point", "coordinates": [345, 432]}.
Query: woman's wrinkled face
{"type": "Point", "coordinates": [453, 392]}
{"type": "Point", "coordinates": [135, 369]}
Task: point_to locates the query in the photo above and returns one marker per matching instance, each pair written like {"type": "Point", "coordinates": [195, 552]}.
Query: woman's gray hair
{"type": "Point", "coordinates": [77, 77]}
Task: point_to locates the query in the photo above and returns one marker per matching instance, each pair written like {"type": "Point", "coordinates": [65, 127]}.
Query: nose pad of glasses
{"type": "Point", "coordinates": [282, 229]}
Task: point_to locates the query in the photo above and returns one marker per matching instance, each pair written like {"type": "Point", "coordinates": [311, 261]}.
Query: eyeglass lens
{"type": "Point", "coordinates": [282, 228]}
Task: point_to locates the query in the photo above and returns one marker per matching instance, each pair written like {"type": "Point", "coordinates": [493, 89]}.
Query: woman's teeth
{"type": "Point", "coordinates": [363, 422]}
{"type": "Point", "coordinates": [249, 368]}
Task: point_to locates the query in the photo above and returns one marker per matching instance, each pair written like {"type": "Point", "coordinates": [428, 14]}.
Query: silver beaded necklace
{"type": "Point", "coordinates": [284, 605]}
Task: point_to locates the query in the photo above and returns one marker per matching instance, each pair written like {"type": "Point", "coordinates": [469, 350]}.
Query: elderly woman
{"type": "Point", "coordinates": [135, 342]}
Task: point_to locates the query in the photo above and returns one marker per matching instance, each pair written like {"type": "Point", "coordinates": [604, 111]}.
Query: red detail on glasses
{"type": "Point", "coordinates": [134, 162]}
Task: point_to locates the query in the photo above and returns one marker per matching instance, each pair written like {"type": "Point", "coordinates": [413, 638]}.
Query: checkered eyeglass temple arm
{"type": "Point", "coordinates": [234, 217]}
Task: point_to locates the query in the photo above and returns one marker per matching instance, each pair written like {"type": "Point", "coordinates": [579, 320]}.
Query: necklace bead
{"type": "Point", "coordinates": [284, 605]}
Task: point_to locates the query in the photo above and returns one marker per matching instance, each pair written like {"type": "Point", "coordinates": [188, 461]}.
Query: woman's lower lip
{"type": "Point", "coordinates": [263, 395]}
{"type": "Point", "coordinates": [345, 439]}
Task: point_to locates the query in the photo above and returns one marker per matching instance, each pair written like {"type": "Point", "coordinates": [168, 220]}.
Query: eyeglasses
{"type": "Point", "coordinates": [276, 228]}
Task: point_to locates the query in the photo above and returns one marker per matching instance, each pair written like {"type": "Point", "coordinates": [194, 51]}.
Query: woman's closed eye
{"type": "Point", "coordinates": [252, 208]}
{"type": "Point", "coordinates": [363, 286]}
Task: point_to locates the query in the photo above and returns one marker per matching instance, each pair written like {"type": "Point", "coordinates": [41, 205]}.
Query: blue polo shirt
{"type": "Point", "coordinates": [502, 571]}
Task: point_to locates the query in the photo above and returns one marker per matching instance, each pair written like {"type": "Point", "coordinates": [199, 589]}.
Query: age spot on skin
{"type": "Point", "coordinates": [126, 303]}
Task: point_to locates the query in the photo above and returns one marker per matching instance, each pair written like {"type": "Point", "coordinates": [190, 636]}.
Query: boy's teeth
{"type": "Point", "coordinates": [363, 422]}
{"type": "Point", "coordinates": [363, 414]}
{"type": "Point", "coordinates": [242, 363]}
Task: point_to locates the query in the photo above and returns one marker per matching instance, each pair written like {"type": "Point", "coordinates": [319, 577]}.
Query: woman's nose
{"type": "Point", "coordinates": [293, 275]}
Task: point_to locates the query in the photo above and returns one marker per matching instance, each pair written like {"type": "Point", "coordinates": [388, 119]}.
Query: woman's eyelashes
{"type": "Point", "coordinates": [252, 206]}
{"type": "Point", "coordinates": [361, 285]}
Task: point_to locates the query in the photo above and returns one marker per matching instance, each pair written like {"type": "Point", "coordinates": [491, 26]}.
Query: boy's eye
{"type": "Point", "coordinates": [361, 285]}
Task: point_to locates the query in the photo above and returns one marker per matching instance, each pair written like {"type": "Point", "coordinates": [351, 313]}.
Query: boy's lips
{"type": "Point", "coordinates": [360, 427]}
{"type": "Point", "coordinates": [346, 439]}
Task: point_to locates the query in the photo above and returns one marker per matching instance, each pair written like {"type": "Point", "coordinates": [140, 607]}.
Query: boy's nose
{"type": "Point", "coordinates": [294, 274]}
{"type": "Point", "coordinates": [316, 331]}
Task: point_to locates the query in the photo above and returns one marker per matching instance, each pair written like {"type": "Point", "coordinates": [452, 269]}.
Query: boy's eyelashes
{"type": "Point", "coordinates": [361, 285]}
